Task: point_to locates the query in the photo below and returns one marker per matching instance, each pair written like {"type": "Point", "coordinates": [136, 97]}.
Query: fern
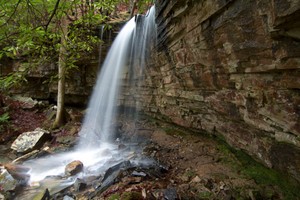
{"type": "Point", "coordinates": [4, 118]}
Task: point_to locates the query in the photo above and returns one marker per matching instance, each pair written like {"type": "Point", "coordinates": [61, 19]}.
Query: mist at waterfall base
{"type": "Point", "coordinates": [96, 148]}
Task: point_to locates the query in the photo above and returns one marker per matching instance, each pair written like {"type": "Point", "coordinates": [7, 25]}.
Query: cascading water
{"type": "Point", "coordinates": [128, 50]}
{"type": "Point", "coordinates": [102, 106]}
{"type": "Point", "coordinates": [96, 148]}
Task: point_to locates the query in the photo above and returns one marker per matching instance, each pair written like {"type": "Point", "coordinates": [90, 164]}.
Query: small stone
{"type": "Point", "coordinates": [223, 186]}
{"type": "Point", "coordinates": [144, 193]}
{"type": "Point", "coordinates": [132, 180]}
{"type": "Point", "coordinates": [170, 194]}
{"type": "Point", "coordinates": [74, 168]}
{"type": "Point", "coordinates": [196, 179]}
{"type": "Point", "coordinates": [121, 146]}
{"type": "Point", "coordinates": [185, 178]}
{"type": "Point", "coordinates": [141, 174]}
{"type": "Point", "coordinates": [79, 185]}
{"type": "Point", "coordinates": [35, 184]}
{"type": "Point", "coordinates": [66, 197]}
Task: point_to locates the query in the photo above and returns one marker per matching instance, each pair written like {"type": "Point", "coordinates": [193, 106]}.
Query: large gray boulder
{"type": "Point", "coordinates": [29, 141]}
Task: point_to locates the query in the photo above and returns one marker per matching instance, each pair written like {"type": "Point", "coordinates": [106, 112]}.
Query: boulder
{"type": "Point", "coordinates": [7, 182]}
{"type": "Point", "coordinates": [29, 141]}
{"type": "Point", "coordinates": [73, 168]}
{"type": "Point", "coordinates": [27, 102]}
{"type": "Point", "coordinates": [79, 185]}
{"type": "Point", "coordinates": [18, 172]}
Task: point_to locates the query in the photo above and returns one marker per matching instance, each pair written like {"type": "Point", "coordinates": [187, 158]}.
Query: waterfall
{"type": "Point", "coordinates": [95, 148]}
{"type": "Point", "coordinates": [102, 106]}
{"type": "Point", "coordinates": [128, 50]}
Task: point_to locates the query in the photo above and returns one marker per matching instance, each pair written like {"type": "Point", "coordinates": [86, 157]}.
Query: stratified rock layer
{"type": "Point", "coordinates": [230, 68]}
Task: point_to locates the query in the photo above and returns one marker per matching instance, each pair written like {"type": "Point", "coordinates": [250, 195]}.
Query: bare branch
{"type": "Point", "coordinates": [52, 15]}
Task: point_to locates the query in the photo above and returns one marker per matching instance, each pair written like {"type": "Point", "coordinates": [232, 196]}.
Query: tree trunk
{"type": "Point", "coordinates": [62, 62]}
{"type": "Point", "coordinates": [133, 8]}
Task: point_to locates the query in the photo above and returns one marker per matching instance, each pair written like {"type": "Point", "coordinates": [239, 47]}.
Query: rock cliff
{"type": "Point", "coordinates": [230, 68]}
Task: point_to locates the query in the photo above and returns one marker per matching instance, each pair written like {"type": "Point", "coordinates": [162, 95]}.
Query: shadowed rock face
{"type": "Point", "coordinates": [230, 68]}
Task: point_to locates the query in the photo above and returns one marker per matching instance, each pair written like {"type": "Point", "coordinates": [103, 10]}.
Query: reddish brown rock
{"type": "Point", "coordinates": [73, 168]}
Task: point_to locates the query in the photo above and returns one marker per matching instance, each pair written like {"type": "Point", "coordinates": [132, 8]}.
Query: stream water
{"type": "Point", "coordinates": [97, 149]}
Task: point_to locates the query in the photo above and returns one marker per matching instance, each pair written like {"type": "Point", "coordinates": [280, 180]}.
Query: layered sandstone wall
{"type": "Point", "coordinates": [230, 68]}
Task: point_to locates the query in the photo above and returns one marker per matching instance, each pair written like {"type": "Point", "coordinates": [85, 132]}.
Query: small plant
{"type": "Point", "coordinates": [114, 197]}
{"type": "Point", "coordinates": [205, 195]}
{"type": "Point", "coordinates": [4, 118]}
{"type": "Point", "coordinates": [190, 174]}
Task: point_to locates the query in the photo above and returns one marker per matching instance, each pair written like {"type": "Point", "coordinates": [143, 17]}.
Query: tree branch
{"type": "Point", "coordinates": [52, 15]}
{"type": "Point", "coordinates": [11, 16]}
{"type": "Point", "coordinates": [134, 6]}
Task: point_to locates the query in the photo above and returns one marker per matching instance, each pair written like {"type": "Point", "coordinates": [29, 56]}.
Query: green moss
{"type": "Point", "coordinates": [190, 174]}
{"type": "Point", "coordinates": [131, 196]}
{"type": "Point", "coordinates": [204, 195]}
{"type": "Point", "coordinates": [266, 176]}
{"type": "Point", "coordinates": [262, 175]}
{"type": "Point", "coordinates": [174, 131]}
{"type": "Point", "coordinates": [114, 197]}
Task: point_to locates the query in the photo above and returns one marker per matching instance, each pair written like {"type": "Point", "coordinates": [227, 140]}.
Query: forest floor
{"type": "Point", "coordinates": [191, 165]}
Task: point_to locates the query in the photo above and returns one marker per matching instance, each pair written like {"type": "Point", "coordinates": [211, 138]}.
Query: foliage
{"type": "Point", "coordinates": [11, 79]}
{"type": "Point", "coordinates": [4, 118]}
{"type": "Point", "coordinates": [30, 32]}
{"type": "Point", "coordinates": [144, 5]}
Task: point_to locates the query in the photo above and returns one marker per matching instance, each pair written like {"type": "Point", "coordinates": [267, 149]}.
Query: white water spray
{"type": "Point", "coordinates": [95, 148]}
{"type": "Point", "coordinates": [102, 107]}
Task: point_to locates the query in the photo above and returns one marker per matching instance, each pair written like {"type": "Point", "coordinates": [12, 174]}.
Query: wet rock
{"type": "Point", "coordinates": [26, 156]}
{"type": "Point", "coordinates": [43, 195]}
{"type": "Point", "coordinates": [111, 176]}
{"type": "Point", "coordinates": [52, 186]}
{"type": "Point", "coordinates": [79, 185]}
{"type": "Point", "coordinates": [74, 168]}
{"type": "Point", "coordinates": [7, 182]}
{"type": "Point", "coordinates": [116, 168]}
{"type": "Point", "coordinates": [66, 197]}
{"type": "Point", "coordinates": [141, 174]}
{"type": "Point", "coordinates": [121, 146]}
{"type": "Point", "coordinates": [29, 141]}
{"type": "Point", "coordinates": [170, 194]}
{"type": "Point", "coordinates": [18, 172]}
